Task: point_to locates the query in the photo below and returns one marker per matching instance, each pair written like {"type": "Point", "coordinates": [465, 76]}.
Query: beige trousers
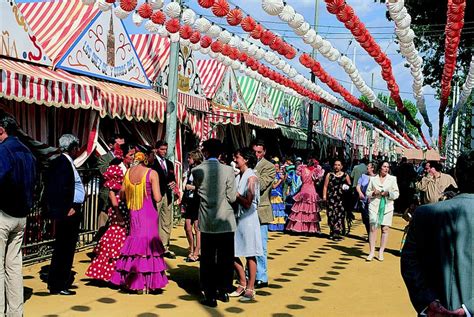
{"type": "Point", "coordinates": [11, 277]}
{"type": "Point", "coordinates": [165, 221]}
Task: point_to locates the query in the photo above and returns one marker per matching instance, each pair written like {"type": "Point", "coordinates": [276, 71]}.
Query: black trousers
{"type": "Point", "coordinates": [67, 234]}
{"type": "Point", "coordinates": [217, 263]}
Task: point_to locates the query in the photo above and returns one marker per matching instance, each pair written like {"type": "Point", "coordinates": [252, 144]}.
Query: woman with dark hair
{"type": "Point", "coordinates": [335, 184]}
{"type": "Point", "coordinates": [248, 242]}
{"type": "Point", "coordinates": [190, 203]}
{"type": "Point", "coordinates": [382, 191]}
{"type": "Point", "coordinates": [111, 242]}
{"type": "Point", "coordinates": [304, 215]}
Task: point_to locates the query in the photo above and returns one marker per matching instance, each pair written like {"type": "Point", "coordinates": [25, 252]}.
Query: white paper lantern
{"type": "Point", "coordinates": [156, 4]}
{"type": "Point", "coordinates": [173, 10]}
{"type": "Point", "coordinates": [120, 13]}
{"type": "Point", "coordinates": [174, 37]}
{"type": "Point", "coordinates": [205, 50]}
{"type": "Point", "coordinates": [343, 61]}
{"type": "Point", "coordinates": [269, 56]}
{"type": "Point", "coordinates": [137, 19]}
{"type": "Point", "coordinates": [286, 69]}
{"type": "Point", "coordinates": [272, 7]}
{"type": "Point", "coordinates": [227, 61]}
{"type": "Point", "coordinates": [281, 64]}
{"type": "Point", "coordinates": [244, 46]}
{"type": "Point", "coordinates": [297, 21]}
{"type": "Point", "coordinates": [202, 25]}
{"type": "Point", "coordinates": [196, 46]}
{"type": "Point", "coordinates": [234, 41]}
{"type": "Point", "coordinates": [184, 42]}
{"type": "Point", "coordinates": [325, 48]}
{"type": "Point", "coordinates": [309, 37]}
{"type": "Point", "coordinates": [220, 57]}
{"type": "Point", "coordinates": [235, 65]}
{"type": "Point", "coordinates": [214, 30]}
{"type": "Point", "coordinates": [275, 61]}
{"type": "Point", "coordinates": [188, 17]}
{"type": "Point", "coordinates": [225, 37]}
{"type": "Point", "coordinates": [152, 27]}
{"type": "Point", "coordinates": [252, 49]}
{"type": "Point", "coordinates": [287, 13]}
{"type": "Point", "coordinates": [292, 73]}
{"type": "Point", "coordinates": [162, 31]}
{"type": "Point", "coordinates": [104, 6]}
{"type": "Point", "coordinates": [404, 23]}
{"type": "Point", "coordinates": [213, 55]}
{"type": "Point", "coordinates": [88, 2]}
{"type": "Point", "coordinates": [303, 29]}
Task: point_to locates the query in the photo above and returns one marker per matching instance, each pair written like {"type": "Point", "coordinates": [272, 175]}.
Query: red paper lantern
{"type": "Point", "coordinates": [206, 3]}
{"type": "Point", "coordinates": [291, 54]}
{"type": "Point", "coordinates": [267, 37]}
{"type": "Point", "coordinates": [145, 10]}
{"type": "Point", "coordinates": [226, 50]}
{"type": "Point", "coordinates": [254, 66]}
{"type": "Point", "coordinates": [243, 57]}
{"type": "Point", "coordinates": [335, 6]}
{"type": "Point", "coordinates": [234, 17]}
{"type": "Point", "coordinates": [352, 23]}
{"type": "Point", "coordinates": [206, 41]}
{"type": "Point", "coordinates": [172, 25]}
{"type": "Point", "coordinates": [276, 44]}
{"type": "Point", "coordinates": [195, 37]}
{"type": "Point", "coordinates": [305, 59]}
{"type": "Point", "coordinates": [128, 5]}
{"type": "Point", "coordinates": [216, 46]}
{"type": "Point", "coordinates": [220, 8]}
{"type": "Point", "coordinates": [257, 32]}
{"type": "Point", "coordinates": [158, 17]}
{"type": "Point", "coordinates": [345, 14]}
{"type": "Point", "coordinates": [248, 24]}
{"type": "Point", "coordinates": [185, 32]}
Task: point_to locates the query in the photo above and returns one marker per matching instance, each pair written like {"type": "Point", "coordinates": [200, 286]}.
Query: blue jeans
{"type": "Point", "coordinates": [262, 270]}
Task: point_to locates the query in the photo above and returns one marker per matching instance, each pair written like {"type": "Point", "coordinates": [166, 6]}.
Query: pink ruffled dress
{"type": "Point", "coordinates": [141, 265]}
{"type": "Point", "coordinates": [304, 216]}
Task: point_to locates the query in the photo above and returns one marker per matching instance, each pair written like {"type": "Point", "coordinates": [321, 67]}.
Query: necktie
{"type": "Point", "coordinates": [163, 166]}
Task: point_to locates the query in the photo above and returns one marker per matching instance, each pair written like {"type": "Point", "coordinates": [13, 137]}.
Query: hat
{"type": "Point", "coordinates": [299, 159]}
{"type": "Point", "coordinates": [275, 160]}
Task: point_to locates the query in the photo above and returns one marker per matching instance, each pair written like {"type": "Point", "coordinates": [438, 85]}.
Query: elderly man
{"type": "Point", "coordinates": [266, 175]}
{"type": "Point", "coordinates": [437, 259]}
{"type": "Point", "coordinates": [17, 181]}
{"type": "Point", "coordinates": [64, 195]}
{"type": "Point", "coordinates": [215, 184]}
{"type": "Point", "coordinates": [435, 183]}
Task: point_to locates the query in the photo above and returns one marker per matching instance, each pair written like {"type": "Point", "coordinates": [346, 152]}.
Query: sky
{"type": "Point", "coordinates": [372, 14]}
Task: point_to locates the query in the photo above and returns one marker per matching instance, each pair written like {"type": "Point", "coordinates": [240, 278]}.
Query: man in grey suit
{"type": "Point", "coordinates": [215, 184]}
{"type": "Point", "coordinates": [437, 259]}
{"type": "Point", "coordinates": [266, 175]}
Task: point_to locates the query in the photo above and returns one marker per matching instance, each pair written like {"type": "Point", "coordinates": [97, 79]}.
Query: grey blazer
{"type": "Point", "coordinates": [215, 185]}
{"type": "Point", "coordinates": [437, 259]}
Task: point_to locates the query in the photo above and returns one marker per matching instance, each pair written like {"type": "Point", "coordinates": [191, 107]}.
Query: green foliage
{"type": "Point", "coordinates": [407, 103]}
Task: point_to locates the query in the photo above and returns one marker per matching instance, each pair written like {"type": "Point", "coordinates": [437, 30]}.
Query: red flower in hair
{"type": "Point", "coordinates": [118, 153]}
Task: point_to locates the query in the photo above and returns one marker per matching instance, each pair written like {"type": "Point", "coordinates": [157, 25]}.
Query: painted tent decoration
{"type": "Point", "coordinates": [262, 107]}
{"type": "Point", "coordinates": [249, 88]}
{"type": "Point", "coordinates": [17, 40]}
{"type": "Point", "coordinates": [303, 114]}
{"type": "Point", "coordinates": [104, 50]}
{"type": "Point", "coordinates": [228, 94]}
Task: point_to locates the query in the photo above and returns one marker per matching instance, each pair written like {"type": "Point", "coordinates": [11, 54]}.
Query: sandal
{"type": "Point", "coordinates": [238, 293]}
{"type": "Point", "coordinates": [248, 296]}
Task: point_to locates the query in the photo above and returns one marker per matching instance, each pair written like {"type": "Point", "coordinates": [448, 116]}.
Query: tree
{"type": "Point", "coordinates": [411, 107]}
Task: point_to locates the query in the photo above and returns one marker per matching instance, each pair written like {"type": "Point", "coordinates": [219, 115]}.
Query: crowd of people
{"type": "Point", "coordinates": [228, 207]}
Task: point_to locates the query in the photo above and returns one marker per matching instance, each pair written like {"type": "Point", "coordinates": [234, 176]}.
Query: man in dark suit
{"type": "Point", "coordinates": [437, 259]}
{"type": "Point", "coordinates": [64, 195]}
{"type": "Point", "coordinates": [165, 170]}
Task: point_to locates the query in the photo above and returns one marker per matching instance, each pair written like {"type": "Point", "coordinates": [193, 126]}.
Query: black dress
{"type": "Point", "coordinates": [335, 208]}
{"type": "Point", "coordinates": [190, 201]}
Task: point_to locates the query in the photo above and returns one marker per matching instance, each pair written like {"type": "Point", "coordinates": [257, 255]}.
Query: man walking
{"type": "Point", "coordinates": [266, 175]}
{"type": "Point", "coordinates": [17, 181]}
{"type": "Point", "coordinates": [64, 195]}
{"type": "Point", "coordinates": [437, 258]}
{"type": "Point", "coordinates": [215, 184]}
{"type": "Point", "coordinates": [165, 170]}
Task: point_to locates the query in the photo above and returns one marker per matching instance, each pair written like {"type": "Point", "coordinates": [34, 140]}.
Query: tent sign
{"type": "Point", "coordinates": [104, 50]}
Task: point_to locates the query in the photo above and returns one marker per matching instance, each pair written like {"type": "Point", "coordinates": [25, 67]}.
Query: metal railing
{"type": "Point", "coordinates": [39, 233]}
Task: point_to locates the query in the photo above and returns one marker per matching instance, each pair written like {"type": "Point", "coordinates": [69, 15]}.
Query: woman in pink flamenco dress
{"type": "Point", "coordinates": [304, 216]}
{"type": "Point", "coordinates": [141, 266]}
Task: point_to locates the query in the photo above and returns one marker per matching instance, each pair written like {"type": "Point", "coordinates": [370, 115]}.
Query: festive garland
{"type": "Point", "coordinates": [345, 14]}
{"type": "Point", "coordinates": [453, 30]}
{"type": "Point", "coordinates": [405, 34]}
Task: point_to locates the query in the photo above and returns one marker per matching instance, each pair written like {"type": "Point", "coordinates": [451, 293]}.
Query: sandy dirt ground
{"type": "Point", "coordinates": [309, 276]}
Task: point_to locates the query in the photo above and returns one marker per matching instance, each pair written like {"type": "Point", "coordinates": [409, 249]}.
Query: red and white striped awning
{"type": "Point", "coordinates": [36, 84]}
{"type": "Point", "coordinates": [222, 116]}
{"type": "Point", "coordinates": [56, 24]}
{"type": "Point", "coordinates": [153, 51]}
{"type": "Point", "coordinates": [188, 101]}
{"type": "Point", "coordinates": [211, 73]}
{"type": "Point", "coordinates": [259, 122]}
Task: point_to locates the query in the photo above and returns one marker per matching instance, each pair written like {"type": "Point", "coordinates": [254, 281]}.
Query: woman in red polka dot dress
{"type": "Point", "coordinates": [108, 249]}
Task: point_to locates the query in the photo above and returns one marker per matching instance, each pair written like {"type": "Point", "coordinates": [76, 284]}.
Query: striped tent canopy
{"type": "Point", "coordinates": [285, 107]}
{"type": "Point", "coordinates": [257, 98]}
{"type": "Point", "coordinates": [212, 73]}
{"type": "Point", "coordinates": [57, 24]}
{"type": "Point", "coordinates": [154, 52]}
{"type": "Point", "coordinates": [36, 84]}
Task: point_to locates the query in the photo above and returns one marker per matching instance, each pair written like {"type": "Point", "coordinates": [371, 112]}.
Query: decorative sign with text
{"type": "Point", "coordinates": [16, 38]}
{"type": "Point", "coordinates": [104, 50]}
